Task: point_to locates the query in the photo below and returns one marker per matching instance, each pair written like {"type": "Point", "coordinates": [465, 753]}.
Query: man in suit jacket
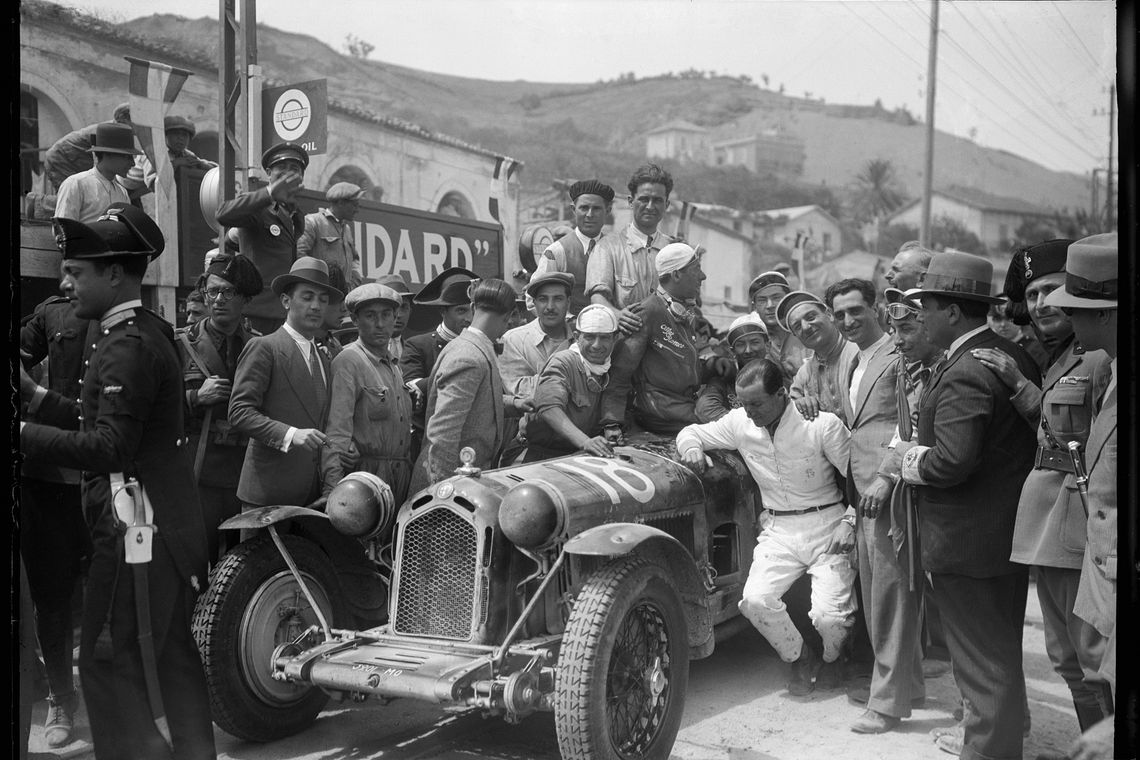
{"type": "Point", "coordinates": [137, 656]}
{"type": "Point", "coordinates": [280, 394]}
{"type": "Point", "coordinates": [269, 224]}
{"type": "Point", "coordinates": [466, 400]}
{"type": "Point", "coordinates": [1090, 296]}
{"type": "Point", "coordinates": [891, 609]}
{"type": "Point", "coordinates": [973, 454]}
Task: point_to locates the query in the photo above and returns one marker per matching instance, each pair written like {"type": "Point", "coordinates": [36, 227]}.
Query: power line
{"type": "Point", "coordinates": [1077, 37]}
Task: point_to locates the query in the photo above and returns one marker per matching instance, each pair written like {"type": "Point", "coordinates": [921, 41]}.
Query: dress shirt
{"type": "Point", "coordinates": [795, 468]}
{"type": "Point", "coordinates": [85, 196]}
{"type": "Point", "coordinates": [525, 350]}
{"type": "Point", "coordinates": [861, 366]}
{"type": "Point", "coordinates": [305, 345]}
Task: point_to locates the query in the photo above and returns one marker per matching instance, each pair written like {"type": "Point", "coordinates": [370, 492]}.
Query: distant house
{"type": "Point", "coordinates": [865, 266]}
{"type": "Point", "coordinates": [678, 139]}
{"type": "Point", "coordinates": [808, 227]}
{"type": "Point", "coordinates": [770, 152]}
{"type": "Point", "coordinates": [993, 218]}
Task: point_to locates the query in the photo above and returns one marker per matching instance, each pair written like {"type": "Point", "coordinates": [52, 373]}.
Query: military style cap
{"type": "Point", "coordinates": [238, 271]}
{"type": "Point", "coordinates": [791, 301]}
{"type": "Point", "coordinates": [311, 271]}
{"type": "Point", "coordinates": [746, 325]}
{"type": "Point", "coordinates": [368, 292]}
{"type": "Point", "coordinates": [1091, 275]}
{"type": "Point", "coordinates": [122, 230]}
{"type": "Point", "coordinates": [592, 187]}
{"type": "Point", "coordinates": [768, 278]}
{"type": "Point", "coordinates": [448, 288]}
{"type": "Point", "coordinates": [956, 274]}
{"type": "Point", "coordinates": [1033, 261]}
{"type": "Point", "coordinates": [546, 278]}
{"type": "Point", "coordinates": [286, 151]}
{"type": "Point", "coordinates": [172, 123]}
{"type": "Point", "coordinates": [111, 137]}
{"type": "Point", "coordinates": [343, 191]}
{"type": "Point", "coordinates": [397, 283]}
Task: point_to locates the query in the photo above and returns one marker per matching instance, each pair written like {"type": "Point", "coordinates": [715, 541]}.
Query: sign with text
{"type": "Point", "coordinates": [417, 244]}
{"type": "Point", "coordinates": [296, 113]}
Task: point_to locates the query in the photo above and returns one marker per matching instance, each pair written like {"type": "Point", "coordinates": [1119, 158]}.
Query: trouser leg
{"type": "Point", "coordinates": [774, 568]}
{"type": "Point", "coordinates": [832, 601]}
{"type": "Point", "coordinates": [1066, 635]}
{"type": "Point", "coordinates": [984, 622]}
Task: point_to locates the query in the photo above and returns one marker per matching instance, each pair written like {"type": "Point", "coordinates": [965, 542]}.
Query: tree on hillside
{"type": "Point", "coordinates": [357, 47]}
{"type": "Point", "coordinates": [877, 191]}
{"type": "Point", "coordinates": [944, 233]}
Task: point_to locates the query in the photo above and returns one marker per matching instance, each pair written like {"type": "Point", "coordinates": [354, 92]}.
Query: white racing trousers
{"type": "Point", "coordinates": [788, 547]}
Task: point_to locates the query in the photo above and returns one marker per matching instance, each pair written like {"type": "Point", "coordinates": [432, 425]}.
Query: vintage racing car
{"type": "Point", "coordinates": [578, 585]}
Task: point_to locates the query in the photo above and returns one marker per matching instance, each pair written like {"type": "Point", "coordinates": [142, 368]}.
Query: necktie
{"type": "Point", "coordinates": [648, 242]}
{"type": "Point", "coordinates": [318, 378]}
{"type": "Point", "coordinates": [590, 250]}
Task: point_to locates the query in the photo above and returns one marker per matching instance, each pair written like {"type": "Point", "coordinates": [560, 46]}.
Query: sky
{"type": "Point", "coordinates": [1028, 77]}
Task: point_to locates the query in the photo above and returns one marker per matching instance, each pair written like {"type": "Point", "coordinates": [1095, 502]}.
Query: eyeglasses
{"type": "Point", "coordinates": [901, 310]}
{"type": "Point", "coordinates": [220, 294]}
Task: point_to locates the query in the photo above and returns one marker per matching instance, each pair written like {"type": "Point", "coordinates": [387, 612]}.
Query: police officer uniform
{"type": "Point", "coordinates": [130, 419]}
{"type": "Point", "coordinates": [267, 232]}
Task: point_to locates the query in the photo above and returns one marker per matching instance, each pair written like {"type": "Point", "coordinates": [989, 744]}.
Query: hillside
{"type": "Point", "coordinates": [561, 129]}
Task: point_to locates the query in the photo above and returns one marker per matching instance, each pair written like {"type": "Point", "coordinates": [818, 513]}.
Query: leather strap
{"type": "Point", "coordinates": [1052, 459]}
{"type": "Point", "coordinates": [805, 510]}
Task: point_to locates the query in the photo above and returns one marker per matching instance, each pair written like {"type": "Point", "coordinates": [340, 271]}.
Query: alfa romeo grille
{"type": "Point", "coordinates": [436, 592]}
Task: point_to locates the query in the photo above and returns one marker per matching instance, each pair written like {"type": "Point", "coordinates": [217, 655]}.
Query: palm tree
{"type": "Point", "coordinates": [877, 192]}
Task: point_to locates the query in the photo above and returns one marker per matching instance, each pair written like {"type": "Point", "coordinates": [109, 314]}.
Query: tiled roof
{"type": "Point", "coordinates": [677, 124]}
{"type": "Point", "coordinates": [50, 14]}
{"type": "Point", "coordinates": [988, 201]}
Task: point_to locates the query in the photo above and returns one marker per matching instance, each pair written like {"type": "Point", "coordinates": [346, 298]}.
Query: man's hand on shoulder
{"type": "Point", "coordinates": [808, 406]}
{"type": "Point", "coordinates": [629, 320]}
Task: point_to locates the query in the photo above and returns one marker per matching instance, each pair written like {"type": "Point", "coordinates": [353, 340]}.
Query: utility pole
{"type": "Point", "coordinates": [1094, 212]}
{"type": "Point", "coordinates": [928, 174]}
{"type": "Point", "coordinates": [1109, 201]}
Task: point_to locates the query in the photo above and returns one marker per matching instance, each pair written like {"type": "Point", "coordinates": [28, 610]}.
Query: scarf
{"type": "Point", "coordinates": [597, 370]}
{"type": "Point", "coordinates": [445, 333]}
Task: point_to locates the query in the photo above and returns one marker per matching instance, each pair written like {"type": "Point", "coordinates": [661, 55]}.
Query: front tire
{"type": "Point", "coordinates": [254, 604]}
{"type": "Point", "coordinates": [624, 666]}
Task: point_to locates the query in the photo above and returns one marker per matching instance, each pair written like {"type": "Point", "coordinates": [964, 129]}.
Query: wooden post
{"type": "Point", "coordinates": [928, 173]}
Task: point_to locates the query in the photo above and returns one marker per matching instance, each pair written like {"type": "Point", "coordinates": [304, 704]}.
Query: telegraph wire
{"type": "Point", "coordinates": [1077, 37]}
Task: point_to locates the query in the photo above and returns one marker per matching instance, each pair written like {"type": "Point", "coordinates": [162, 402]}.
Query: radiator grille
{"type": "Point", "coordinates": [436, 592]}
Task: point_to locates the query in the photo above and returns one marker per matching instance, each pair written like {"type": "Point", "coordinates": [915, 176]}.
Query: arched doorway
{"type": "Point", "coordinates": [456, 204]}
{"type": "Point", "coordinates": [357, 176]}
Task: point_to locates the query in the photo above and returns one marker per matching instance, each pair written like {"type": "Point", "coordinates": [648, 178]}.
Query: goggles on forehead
{"type": "Point", "coordinates": [902, 310]}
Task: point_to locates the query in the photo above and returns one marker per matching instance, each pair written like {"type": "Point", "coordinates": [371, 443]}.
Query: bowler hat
{"type": "Point", "coordinates": [397, 283]}
{"type": "Point", "coordinates": [371, 291]}
{"type": "Point", "coordinates": [956, 274]}
{"type": "Point", "coordinates": [171, 123]}
{"type": "Point", "coordinates": [448, 288]}
{"type": "Point", "coordinates": [768, 278]}
{"type": "Point", "coordinates": [111, 137]}
{"type": "Point", "coordinates": [122, 230]}
{"type": "Point", "coordinates": [343, 191]}
{"type": "Point", "coordinates": [1091, 275]}
{"type": "Point", "coordinates": [311, 271]}
{"type": "Point", "coordinates": [286, 151]}
{"type": "Point", "coordinates": [791, 301]}
{"type": "Point", "coordinates": [564, 279]}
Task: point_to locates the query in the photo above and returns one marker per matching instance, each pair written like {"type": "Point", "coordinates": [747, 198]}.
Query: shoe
{"type": "Point", "coordinates": [60, 721]}
{"type": "Point", "coordinates": [873, 722]}
{"type": "Point", "coordinates": [935, 668]}
{"type": "Point", "coordinates": [830, 676]}
{"type": "Point", "coordinates": [951, 740]}
{"type": "Point", "coordinates": [859, 692]}
{"type": "Point", "coordinates": [804, 672]}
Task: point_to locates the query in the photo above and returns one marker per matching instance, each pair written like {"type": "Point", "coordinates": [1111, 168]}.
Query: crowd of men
{"type": "Point", "coordinates": [895, 439]}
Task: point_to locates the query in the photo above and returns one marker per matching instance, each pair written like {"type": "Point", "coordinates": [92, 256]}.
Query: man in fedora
{"type": "Point", "coordinates": [1090, 297]}
{"type": "Point", "coordinates": [328, 233]}
{"type": "Point", "coordinates": [85, 196]}
{"type": "Point", "coordinates": [71, 154]}
{"type": "Point", "coordinates": [397, 283]}
{"type": "Point", "coordinates": [137, 657]}
{"type": "Point", "coordinates": [280, 395]}
{"type": "Point", "coordinates": [973, 454]}
{"type": "Point", "coordinates": [448, 292]}
{"type": "Point", "coordinates": [269, 224]}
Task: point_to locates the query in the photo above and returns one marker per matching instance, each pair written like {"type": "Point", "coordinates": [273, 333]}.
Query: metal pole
{"type": "Point", "coordinates": [228, 92]}
{"type": "Point", "coordinates": [928, 174]}
{"type": "Point", "coordinates": [1094, 212]}
{"type": "Point", "coordinates": [251, 83]}
{"type": "Point", "coordinates": [1109, 202]}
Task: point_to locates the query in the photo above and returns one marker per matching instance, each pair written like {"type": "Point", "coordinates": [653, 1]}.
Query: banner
{"type": "Point", "coordinates": [154, 87]}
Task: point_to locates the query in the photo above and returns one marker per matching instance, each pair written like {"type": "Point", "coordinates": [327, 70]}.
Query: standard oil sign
{"type": "Point", "coordinates": [296, 113]}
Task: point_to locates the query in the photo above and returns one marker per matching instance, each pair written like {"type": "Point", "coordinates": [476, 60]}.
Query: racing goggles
{"type": "Point", "coordinates": [902, 310]}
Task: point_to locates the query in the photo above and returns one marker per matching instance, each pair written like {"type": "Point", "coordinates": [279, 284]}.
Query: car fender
{"type": "Point", "coordinates": [619, 539]}
{"type": "Point", "coordinates": [263, 517]}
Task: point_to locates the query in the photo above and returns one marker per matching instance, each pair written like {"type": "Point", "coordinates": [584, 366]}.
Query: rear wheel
{"type": "Point", "coordinates": [254, 604]}
{"type": "Point", "coordinates": [623, 667]}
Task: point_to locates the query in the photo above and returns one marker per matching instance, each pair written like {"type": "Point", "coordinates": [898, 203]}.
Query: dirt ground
{"type": "Point", "coordinates": [737, 709]}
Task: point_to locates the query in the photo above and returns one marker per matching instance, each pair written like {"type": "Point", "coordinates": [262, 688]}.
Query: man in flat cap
{"type": "Point", "coordinates": [448, 292]}
{"type": "Point", "coordinates": [1090, 296]}
{"type": "Point", "coordinates": [209, 350]}
{"type": "Point", "coordinates": [397, 283]}
{"type": "Point", "coordinates": [179, 131]}
{"type": "Point", "coordinates": [526, 348]}
{"type": "Point", "coordinates": [370, 412]}
{"type": "Point", "coordinates": [592, 201]}
{"type": "Point", "coordinates": [765, 293]}
{"type": "Point", "coordinates": [747, 339]}
{"type": "Point", "coordinates": [328, 233]}
{"type": "Point", "coordinates": [973, 454]}
{"type": "Point", "coordinates": [659, 362]}
{"type": "Point", "coordinates": [269, 224]}
{"type": "Point", "coordinates": [85, 196]}
{"type": "Point", "coordinates": [622, 271]}
{"type": "Point", "coordinates": [137, 657]}
{"type": "Point", "coordinates": [821, 382]}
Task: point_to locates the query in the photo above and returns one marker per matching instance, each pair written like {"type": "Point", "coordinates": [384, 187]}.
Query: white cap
{"type": "Point", "coordinates": [597, 318]}
{"type": "Point", "coordinates": [673, 257]}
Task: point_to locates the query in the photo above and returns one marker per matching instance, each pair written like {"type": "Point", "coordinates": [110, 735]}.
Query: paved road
{"type": "Point", "coordinates": [737, 709]}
